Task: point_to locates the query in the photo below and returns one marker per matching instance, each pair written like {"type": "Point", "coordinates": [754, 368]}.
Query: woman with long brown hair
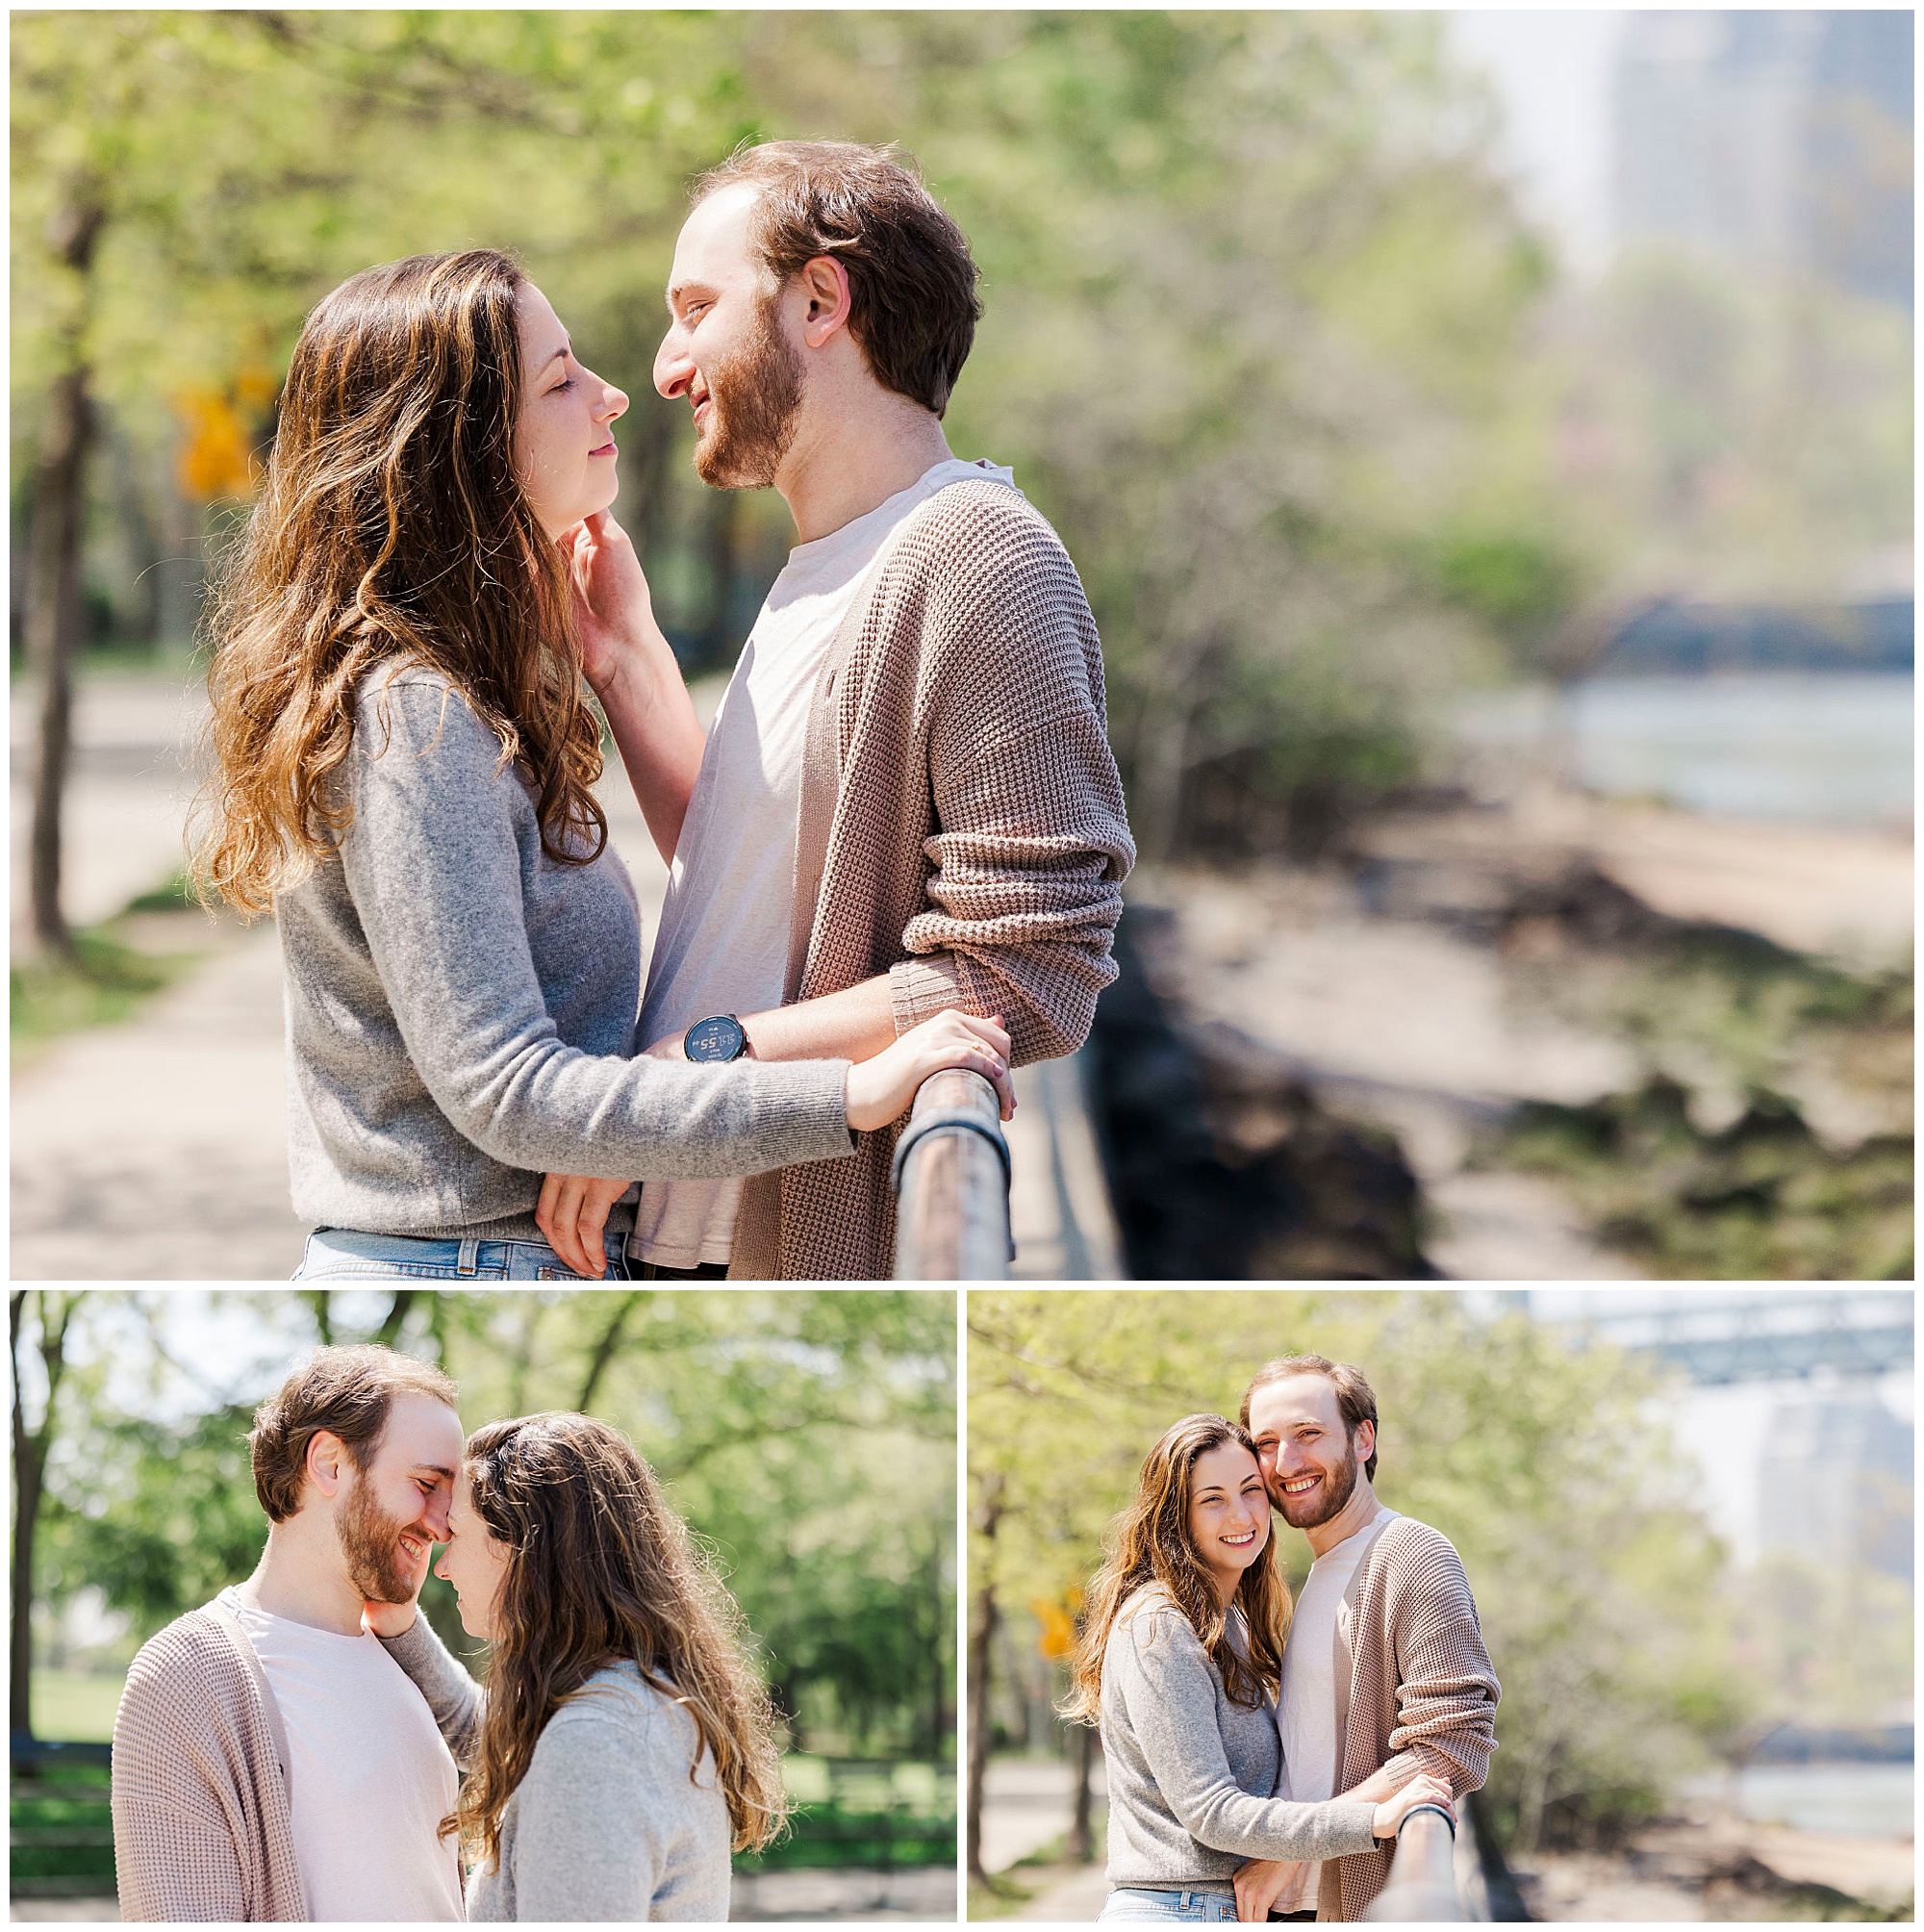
{"type": "Point", "coordinates": [623, 1743]}
{"type": "Point", "coordinates": [1178, 1663]}
{"type": "Point", "coordinates": [404, 749]}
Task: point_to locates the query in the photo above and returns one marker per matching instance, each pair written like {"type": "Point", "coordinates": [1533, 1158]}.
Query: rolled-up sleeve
{"type": "Point", "coordinates": [1031, 841]}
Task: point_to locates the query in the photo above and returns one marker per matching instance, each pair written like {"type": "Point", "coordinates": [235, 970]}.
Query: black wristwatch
{"type": "Point", "coordinates": [719, 1038]}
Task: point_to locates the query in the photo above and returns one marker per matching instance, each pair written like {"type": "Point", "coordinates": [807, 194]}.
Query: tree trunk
{"type": "Point", "coordinates": [604, 1349]}
{"type": "Point", "coordinates": [1081, 1835]}
{"type": "Point", "coordinates": [397, 1313]}
{"type": "Point", "coordinates": [29, 1464]}
{"type": "Point", "coordinates": [52, 617]}
{"type": "Point", "coordinates": [983, 1622]}
{"type": "Point", "coordinates": [53, 636]}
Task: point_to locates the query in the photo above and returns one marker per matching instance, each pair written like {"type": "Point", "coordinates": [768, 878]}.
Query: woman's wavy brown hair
{"type": "Point", "coordinates": [601, 1570]}
{"type": "Point", "coordinates": [1149, 1543]}
{"type": "Point", "coordinates": [391, 526]}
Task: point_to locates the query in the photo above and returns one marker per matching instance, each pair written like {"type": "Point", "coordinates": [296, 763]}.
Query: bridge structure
{"type": "Point", "coordinates": [1719, 1336]}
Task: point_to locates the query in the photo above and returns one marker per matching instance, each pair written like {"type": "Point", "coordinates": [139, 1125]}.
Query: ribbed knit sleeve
{"type": "Point", "coordinates": [202, 1832]}
{"type": "Point", "coordinates": [1447, 1689]}
{"type": "Point", "coordinates": [1031, 843]}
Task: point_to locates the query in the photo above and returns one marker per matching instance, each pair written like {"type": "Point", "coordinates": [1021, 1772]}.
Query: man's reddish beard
{"type": "Point", "coordinates": [370, 1541]}
{"type": "Point", "coordinates": [1339, 1484]}
{"type": "Point", "coordinates": [754, 397]}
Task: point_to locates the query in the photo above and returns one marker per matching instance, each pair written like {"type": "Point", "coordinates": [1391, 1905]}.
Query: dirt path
{"type": "Point", "coordinates": [156, 1150]}
{"type": "Point", "coordinates": [1716, 1871]}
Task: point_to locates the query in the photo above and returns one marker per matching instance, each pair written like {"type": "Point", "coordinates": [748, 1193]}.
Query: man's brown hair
{"type": "Point", "coordinates": [912, 304]}
{"type": "Point", "coordinates": [346, 1391]}
{"type": "Point", "coordinates": [1355, 1397]}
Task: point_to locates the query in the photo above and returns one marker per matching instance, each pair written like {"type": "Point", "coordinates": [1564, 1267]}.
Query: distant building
{"type": "Point", "coordinates": [1836, 1482]}
{"type": "Point", "coordinates": [1781, 137]}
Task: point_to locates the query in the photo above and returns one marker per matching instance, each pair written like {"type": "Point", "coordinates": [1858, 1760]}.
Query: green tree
{"type": "Point", "coordinates": [808, 1436]}
{"type": "Point", "coordinates": [40, 1318]}
{"type": "Point", "coordinates": [1550, 1470]}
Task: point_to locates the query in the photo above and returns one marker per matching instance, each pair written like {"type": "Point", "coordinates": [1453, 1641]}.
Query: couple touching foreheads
{"type": "Point", "coordinates": [899, 847]}
{"type": "Point", "coordinates": [290, 1751]}
{"type": "Point", "coordinates": [1261, 1759]}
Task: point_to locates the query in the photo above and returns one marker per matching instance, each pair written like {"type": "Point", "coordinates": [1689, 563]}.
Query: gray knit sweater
{"type": "Point", "coordinates": [461, 1008]}
{"type": "Point", "coordinates": [1190, 1772]}
{"type": "Point", "coordinates": [608, 1826]}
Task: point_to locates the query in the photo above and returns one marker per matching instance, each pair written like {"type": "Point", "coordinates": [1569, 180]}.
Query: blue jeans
{"type": "Point", "coordinates": [340, 1253]}
{"type": "Point", "coordinates": [1185, 1908]}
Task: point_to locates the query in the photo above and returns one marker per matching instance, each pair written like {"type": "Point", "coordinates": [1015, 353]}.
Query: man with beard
{"type": "Point", "coordinates": [271, 1759]}
{"type": "Point", "coordinates": [907, 802]}
{"type": "Point", "coordinates": [1385, 1675]}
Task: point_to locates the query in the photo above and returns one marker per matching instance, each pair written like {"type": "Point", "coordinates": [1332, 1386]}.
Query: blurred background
{"type": "Point", "coordinates": [808, 1437]}
{"type": "Point", "coordinates": [1485, 438]}
{"type": "Point", "coordinates": [1686, 1516]}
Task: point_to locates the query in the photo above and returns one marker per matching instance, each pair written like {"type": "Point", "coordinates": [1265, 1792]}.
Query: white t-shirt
{"type": "Point", "coordinates": [1317, 1647]}
{"type": "Point", "coordinates": [725, 930]}
{"type": "Point", "coordinates": [370, 1780]}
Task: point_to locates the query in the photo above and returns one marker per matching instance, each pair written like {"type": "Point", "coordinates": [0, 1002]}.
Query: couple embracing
{"type": "Point", "coordinates": [290, 1751]}
{"type": "Point", "coordinates": [1261, 1762]}
{"type": "Point", "coordinates": [898, 849]}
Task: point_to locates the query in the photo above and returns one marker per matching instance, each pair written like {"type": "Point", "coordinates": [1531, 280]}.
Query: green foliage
{"type": "Point", "coordinates": [1762, 1198]}
{"type": "Point", "coordinates": [1745, 436]}
{"type": "Point", "coordinates": [174, 1523]}
{"type": "Point", "coordinates": [808, 1436]}
{"type": "Point", "coordinates": [106, 980]}
{"type": "Point", "coordinates": [1832, 1641]}
{"type": "Point", "coordinates": [1253, 300]}
{"type": "Point", "coordinates": [1769, 1134]}
{"type": "Point", "coordinates": [1522, 587]}
{"type": "Point", "coordinates": [1550, 1470]}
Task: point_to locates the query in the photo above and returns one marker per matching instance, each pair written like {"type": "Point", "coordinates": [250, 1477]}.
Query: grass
{"type": "Point", "coordinates": [106, 980]}
{"type": "Point", "coordinates": [1006, 1893]}
{"type": "Point", "coordinates": [75, 1708]}
{"type": "Point", "coordinates": [1711, 1165]}
{"type": "Point", "coordinates": [60, 1824]}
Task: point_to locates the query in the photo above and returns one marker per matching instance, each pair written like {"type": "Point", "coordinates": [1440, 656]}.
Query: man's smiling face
{"type": "Point", "coordinates": [725, 350]}
{"type": "Point", "coordinates": [1308, 1460]}
{"type": "Point", "coordinates": [389, 1515]}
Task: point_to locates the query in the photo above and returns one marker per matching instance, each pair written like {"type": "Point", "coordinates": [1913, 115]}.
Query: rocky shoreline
{"type": "Point", "coordinates": [1331, 1061]}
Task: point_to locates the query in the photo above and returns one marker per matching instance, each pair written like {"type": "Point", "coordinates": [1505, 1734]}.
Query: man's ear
{"type": "Point", "coordinates": [825, 283]}
{"type": "Point", "coordinates": [1365, 1441]}
{"type": "Point", "coordinates": [326, 1459]}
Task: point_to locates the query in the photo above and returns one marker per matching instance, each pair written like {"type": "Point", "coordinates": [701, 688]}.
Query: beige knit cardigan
{"type": "Point", "coordinates": [203, 1825]}
{"type": "Point", "coordinates": [1421, 1694]}
{"type": "Point", "coordinates": [961, 829]}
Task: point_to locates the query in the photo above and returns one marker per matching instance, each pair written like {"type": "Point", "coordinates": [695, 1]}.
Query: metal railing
{"type": "Point", "coordinates": [1422, 1886]}
{"type": "Point", "coordinates": [952, 1179]}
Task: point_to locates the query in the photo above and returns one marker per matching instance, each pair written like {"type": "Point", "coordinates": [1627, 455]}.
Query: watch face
{"type": "Point", "coordinates": [720, 1038]}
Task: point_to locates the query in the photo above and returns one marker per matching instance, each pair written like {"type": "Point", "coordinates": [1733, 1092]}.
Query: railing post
{"type": "Point", "coordinates": [952, 1177]}
{"type": "Point", "coordinates": [1422, 1888]}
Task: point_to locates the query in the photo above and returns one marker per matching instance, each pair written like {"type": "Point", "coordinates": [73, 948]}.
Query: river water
{"type": "Point", "coordinates": [1842, 1800]}
{"type": "Point", "coordinates": [1829, 749]}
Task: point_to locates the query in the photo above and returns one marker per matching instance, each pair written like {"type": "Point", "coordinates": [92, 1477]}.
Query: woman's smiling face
{"type": "Point", "coordinates": [563, 436]}
{"type": "Point", "coordinates": [1229, 1514]}
{"type": "Point", "coordinates": [475, 1562]}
